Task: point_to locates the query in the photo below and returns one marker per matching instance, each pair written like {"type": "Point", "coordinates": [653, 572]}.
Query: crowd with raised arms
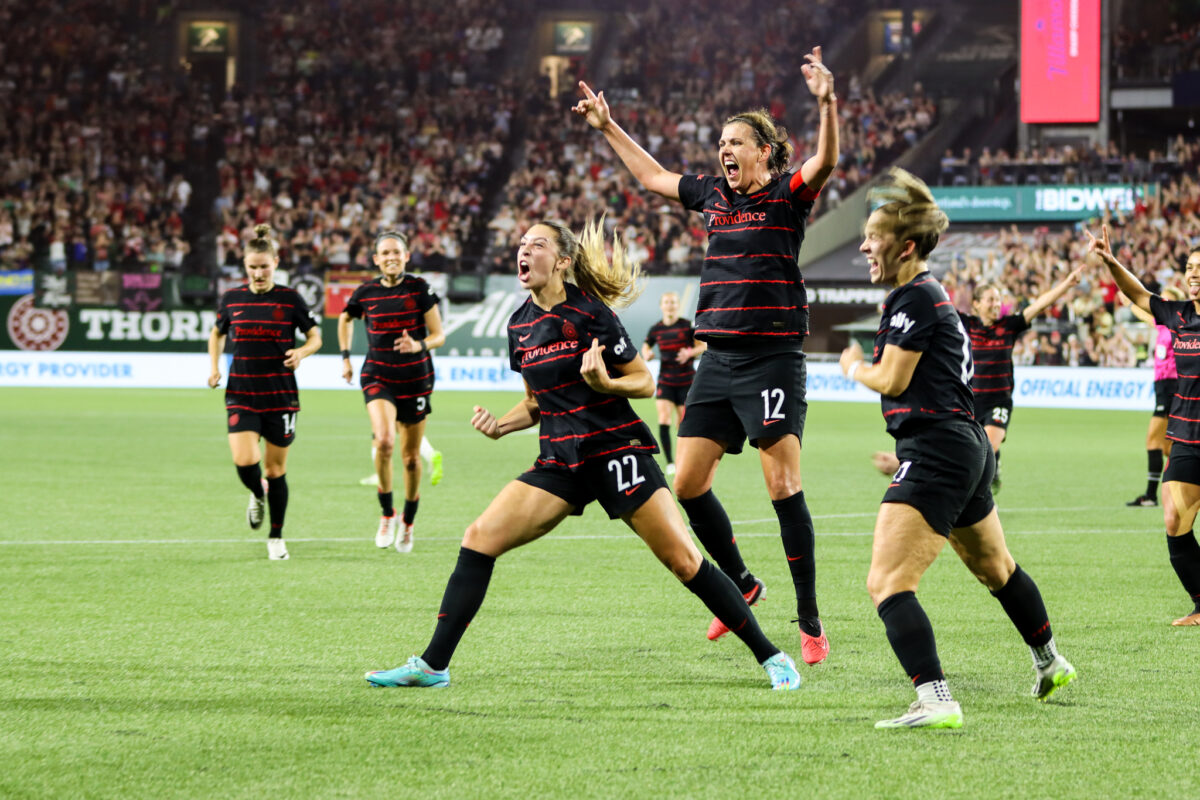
{"type": "Point", "coordinates": [1090, 324]}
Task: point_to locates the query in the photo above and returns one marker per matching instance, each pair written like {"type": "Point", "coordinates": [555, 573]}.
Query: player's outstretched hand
{"type": "Point", "coordinates": [1100, 246]}
{"type": "Point", "coordinates": [593, 370]}
{"type": "Point", "coordinates": [817, 75]}
{"type": "Point", "coordinates": [593, 107]}
{"type": "Point", "coordinates": [485, 423]}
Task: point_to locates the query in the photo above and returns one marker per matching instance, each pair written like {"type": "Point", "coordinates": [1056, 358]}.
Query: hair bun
{"type": "Point", "coordinates": [262, 231]}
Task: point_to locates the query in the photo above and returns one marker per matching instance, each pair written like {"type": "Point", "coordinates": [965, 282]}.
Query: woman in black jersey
{"type": "Point", "coordinates": [753, 314]}
{"type": "Point", "coordinates": [676, 341]}
{"type": "Point", "coordinates": [261, 398]}
{"type": "Point", "coordinates": [992, 339]}
{"type": "Point", "coordinates": [922, 367]}
{"type": "Point", "coordinates": [579, 368]}
{"type": "Point", "coordinates": [403, 324]}
{"type": "Point", "coordinates": [1181, 481]}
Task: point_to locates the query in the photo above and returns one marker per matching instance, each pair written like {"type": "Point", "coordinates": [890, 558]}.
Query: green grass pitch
{"type": "Point", "coordinates": [149, 649]}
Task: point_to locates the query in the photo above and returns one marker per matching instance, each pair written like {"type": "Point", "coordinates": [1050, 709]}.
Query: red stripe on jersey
{"type": "Point", "coordinates": [1000, 389]}
{"type": "Point", "coordinates": [237, 358]}
{"type": "Point", "coordinates": [752, 228]}
{"type": "Point", "coordinates": [1183, 441]}
{"type": "Point", "coordinates": [1183, 419]}
{"type": "Point", "coordinates": [405, 396]}
{"type": "Point", "coordinates": [571, 354]}
{"type": "Point", "coordinates": [374, 377]}
{"type": "Point", "coordinates": [943, 303]}
{"type": "Point", "coordinates": [749, 308]}
{"type": "Point", "coordinates": [556, 388]}
{"type": "Point", "coordinates": [589, 434]}
{"type": "Point", "coordinates": [535, 322]}
{"type": "Point", "coordinates": [261, 375]}
{"type": "Point", "coordinates": [897, 411]}
{"type": "Point", "coordinates": [243, 391]}
{"type": "Point", "coordinates": [797, 184]}
{"type": "Point", "coordinates": [723, 331]}
{"type": "Point", "coordinates": [579, 310]}
{"type": "Point", "coordinates": [556, 462]}
{"type": "Point", "coordinates": [579, 408]}
{"type": "Point", "coordinates": [752, 255]}
{"type": "Point", "coordinates": [747, 280]}
{"type": "Point", "coordinates": [258, 305]}
{"type": "Point", "coordinates": [381, 298]}
{"type": "Point", "coordinates": [263, 410]}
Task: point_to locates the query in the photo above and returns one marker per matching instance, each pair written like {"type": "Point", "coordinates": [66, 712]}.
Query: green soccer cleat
{"type": "Point", "coordinates": [435, 468]}
{"type": "Point", "coordinates": [931, 714]}
{"type": "Point", "coordinates": [782, 672]}
{"type": "Point", "coordinates": [414, 673]}
{"type": "Point", "coordinates": [1058, 673]}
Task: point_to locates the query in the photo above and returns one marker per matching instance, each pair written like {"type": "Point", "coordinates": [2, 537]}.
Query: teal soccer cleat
{"type": "Point", "coordinates": [782, 672]}
{"type": "Point", "coordinates": [414, 673]}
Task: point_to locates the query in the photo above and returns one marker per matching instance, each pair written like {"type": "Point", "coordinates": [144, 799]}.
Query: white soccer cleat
{"type": "Point", "coordinates": [387, 531]}
{"type": "Point", "coordinates": [670, 469]}
{"type": "Point", "coordinates": [370, 480]}
{"type": "Point", "coordinates": [404, 541]}
{"type": "Point", "coordinates": [256, 510]}
{"type": "Point", "coordinates": [929, 714]}
{"type": "Point", "coordinates": [1058, 673]}
{"type": "Point", "coordinates": [277, 550]}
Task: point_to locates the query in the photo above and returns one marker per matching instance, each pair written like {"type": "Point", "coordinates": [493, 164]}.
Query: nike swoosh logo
{"type": "Point", "coordinates": [631, 491]}
{"type": "Point", "coordinates": [771, 421]}
{"type": "Point", "coordinates": [238, 313]}
{"type": "Point", "coordinates": [797, 558]}
{"type": "Point", "coordinates": [523, 338]}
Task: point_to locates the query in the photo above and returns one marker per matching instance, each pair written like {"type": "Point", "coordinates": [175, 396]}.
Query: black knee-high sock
{"type": "Point", "coordinates": [1022, 601]}
{"type": "Point", "coordinates": [717, 592]}
{"type": "Point", "coordinates": [277, 499]}
{"type": "Point", "coordinates": [911, 637]}
{"type": "Point", "coordinates": [464, 595]}
{"type": "Point", "coordinates": [410, 511]}
{"type": "Point", "coordinates": [385, 504]}
{"type": "Point", "coordinates": [252, 479]}
{"type": "Point", "coordinates": [1185, 558]}
{"type": "Point", "coordinates": [1154, 467]}
{"type": "Point", "coordinates": [711, 525]}
{"type": "Point", "coordinates": [796, 530]}
{"type": "Point", "coordinates": [664, 441]}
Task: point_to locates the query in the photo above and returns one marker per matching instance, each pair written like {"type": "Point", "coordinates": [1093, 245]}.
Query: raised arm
{"type": "Point", "coordinates": [817, 169]}
{"type": "Point", "coordinates": [1127, 282]}
{"type": "Point", "coordinates": [1051, 297]}
{"type": "Point", "coordinates": [648, 172]}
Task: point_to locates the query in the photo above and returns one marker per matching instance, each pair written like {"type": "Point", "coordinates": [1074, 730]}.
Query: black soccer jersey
{"type": "Point", "coordinates": [577, 422]}
{"type": "Point", "coordinates": [670, 340]}
{"type": "Point", "coordinates": [388, 311]}
{"type": "Point", "coordinates": [991, 347]}
{"type": "Point", "coordinates": [1183, 421]}
{"type": "Point", "coordinates": [750, 284]}
{"type": "Point", "coordinates": [919, 317]}
{"type": "Point", "coordinates": [262, 328]}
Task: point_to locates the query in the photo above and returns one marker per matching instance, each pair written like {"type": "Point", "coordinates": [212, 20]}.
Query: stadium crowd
{"type": "Point", "coordinates": [1091, 325]}
{"type": "Point", "coordinates": [93, 141]}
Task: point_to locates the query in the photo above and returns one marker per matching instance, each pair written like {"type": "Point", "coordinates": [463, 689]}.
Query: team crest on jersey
{"type": "Point", "coordinates": [373, 390]}
{"type": "Point", "coordinates": [278, 314]}
{"type": "Point", "coordinates": [569, 331]}
{"type": "Point", "coordinates": [234, 418]}
{"type": "Point", "coordinates": [409, 304]}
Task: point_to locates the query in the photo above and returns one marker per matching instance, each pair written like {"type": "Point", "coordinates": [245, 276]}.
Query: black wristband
{"type": "Point", "coordinates": [424, 347]}
{"type": "Point", "coordinates": [345, 354]}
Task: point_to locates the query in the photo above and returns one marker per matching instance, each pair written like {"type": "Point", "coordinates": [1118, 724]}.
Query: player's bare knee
{"type": "Point", "coordinates": [412, 462]}
{"type": "Point", "coordinates": [386, 445]}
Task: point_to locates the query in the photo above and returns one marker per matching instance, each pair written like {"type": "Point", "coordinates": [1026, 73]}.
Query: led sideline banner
{"type": "Point", "coordinates": [1038, 387]}
{"type": "Point", "coordinates": [1035, 203]}
{"type": "Point", "coordinates": [1060, 61]}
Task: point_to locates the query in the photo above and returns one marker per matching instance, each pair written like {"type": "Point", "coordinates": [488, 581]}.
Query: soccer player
{"type": "Point", "coordinates": [921, 367]}
{"type": "Point", "coordinates": [261, 398]}
{"type": "Point", "coordinates": [1181, 482]}
{"type": "Point", "coordinates": [677, 342]}
{"type": "Point", "coordinates": [403, 325]}
{"type": "Point", "coordinates": [753, 314]}
{"type": "Point", "coordinates": [992, 340]}
{"type": "Point", "coordinates": [579, 368]}
{"type": "Point", "coordinates": [1166, 378]}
